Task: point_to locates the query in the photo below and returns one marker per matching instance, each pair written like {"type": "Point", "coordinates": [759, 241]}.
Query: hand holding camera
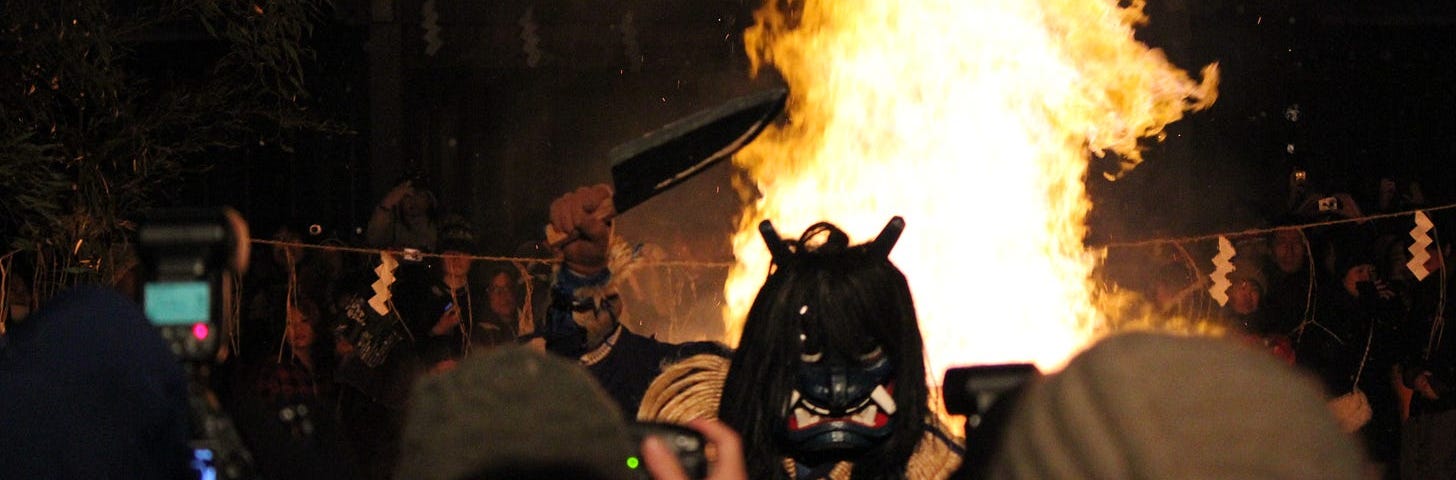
{"type": "Point", "coordinates": [669, 452]}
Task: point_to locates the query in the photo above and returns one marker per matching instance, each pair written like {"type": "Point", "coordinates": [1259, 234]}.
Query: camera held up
{"type": "Point", "coordinates": [189, 255]}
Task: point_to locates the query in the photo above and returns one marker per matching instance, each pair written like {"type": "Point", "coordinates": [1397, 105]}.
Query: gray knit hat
{"type": "Point", "coordinates": [513, 413]}
{"type": "Point", "coordinates": [1156, 406]}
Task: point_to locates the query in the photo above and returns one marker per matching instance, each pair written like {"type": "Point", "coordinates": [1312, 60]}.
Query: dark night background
{"type": "Point", "coordinates": [502, 132]}
{"type": "Point", "coordinates": [502, 128]}
{"type": "Point", "coordinates": [1371, 82]}
{"type": "Point", "coordinates": [521, 101]}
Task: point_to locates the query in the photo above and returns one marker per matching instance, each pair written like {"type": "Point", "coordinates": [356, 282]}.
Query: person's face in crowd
{"type": "Point", "coordinates": [457, 266]}
{"type": "Point", "coordinates": [300, 331]}
{"type": "Point", "coordinates": [1289, 252]}
{"type": "Point", "coordinates": [502, 295]}
{"type": "Point", "coordinates": [416, 203]}
{"type": "Point", "coordinates": [1244, 297]}
{"type": "Point", "coordinates": [596, 310]}
{"type": "Point", "coordinates": [1355, 275]}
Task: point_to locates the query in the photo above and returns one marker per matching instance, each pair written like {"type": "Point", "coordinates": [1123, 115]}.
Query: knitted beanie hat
{"type": "Point", "coordinates": [1156, 406]}
{"type": "Point", "coordinates": [513, 413]}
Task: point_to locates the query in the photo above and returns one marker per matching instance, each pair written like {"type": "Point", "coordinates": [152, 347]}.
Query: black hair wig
{"type": "Point", "coordinates": [856, 300]}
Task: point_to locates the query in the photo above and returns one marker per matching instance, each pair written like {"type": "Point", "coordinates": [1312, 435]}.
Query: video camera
{"type": "Point", "coordinates": [187, 253]}
{"type": "Point", "coordinates": [986, 395]}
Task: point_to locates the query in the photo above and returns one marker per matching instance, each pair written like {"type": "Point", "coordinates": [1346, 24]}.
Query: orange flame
{"type": "Point", "coordinates": [973, 119]}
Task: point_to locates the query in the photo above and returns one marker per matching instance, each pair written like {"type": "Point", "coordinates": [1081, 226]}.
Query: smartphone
{"type": "Point", "coordinates": [686, 444]}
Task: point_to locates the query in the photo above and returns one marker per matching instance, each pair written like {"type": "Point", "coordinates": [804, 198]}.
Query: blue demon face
{"type": "Point", "coordinates": [840, 402]}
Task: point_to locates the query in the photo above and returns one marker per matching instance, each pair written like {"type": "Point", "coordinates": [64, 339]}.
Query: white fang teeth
{"type": "Point", "coordinates": [867, 415]}
{"type": "Point", "coordinates": [883, 398]}
{"type": "Point", "coordinates": [804, 418]}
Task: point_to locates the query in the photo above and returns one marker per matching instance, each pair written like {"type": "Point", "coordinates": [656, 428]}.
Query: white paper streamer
{"type": "Point", "coordinates": [1417, 264]}
{"type": "Point", "coordinates": [385, 271]}
{"type": "Point", "coordinates": [1221, 269]}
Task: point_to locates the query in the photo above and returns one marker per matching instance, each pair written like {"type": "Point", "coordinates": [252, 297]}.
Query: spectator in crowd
{"type": "Point", "coordinates": [422, 330]}
{"type": "Point", "coordinates": [407, 217]}
{"type": "Point", "coordinates": [284, 403]}
{"type": "Point", "coordinates": [1244, 309]}
{"type": "Point", "coordinates": [374, 379]}
{"type": "Point", "coordinates": [502, 321]}
{"type": "Point", "coordinates": [88, 389]}
{"type": "Point", "coordinates": [1291, 279]}
{"type": "Point", "coordinates": [1150, 405]}
{"type": "Point", "coordinates": [1393, 194]}
{"type": "Point", "coordinates": [288, 275]}
{"type": "Point", "coordinates": [448, 303]}
{"type": "Point", "coordinates": [1354, 342]}
{"type": "Point", "coordinates": [513, 413]}
{"type": "Point", "coordinates": [1428, 438]}
{"type": "Point", "coordinates": [1245, 292]}
{"type": "Point", "coordinates": [516, 413]}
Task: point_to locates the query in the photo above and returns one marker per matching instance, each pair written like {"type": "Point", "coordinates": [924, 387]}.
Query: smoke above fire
{"type": "Point", "coordinates": [975, 120]}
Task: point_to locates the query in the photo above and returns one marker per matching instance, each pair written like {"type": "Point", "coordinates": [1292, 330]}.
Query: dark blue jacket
{"type": "Point", "coordinates": [89, 390]}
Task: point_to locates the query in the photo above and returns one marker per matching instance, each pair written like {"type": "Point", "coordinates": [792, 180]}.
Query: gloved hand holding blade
{"type": "Point", "coordinates": [663, 158]}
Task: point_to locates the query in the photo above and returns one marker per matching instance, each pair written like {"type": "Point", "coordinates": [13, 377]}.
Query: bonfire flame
{"type": "Point", "coordinates": [975, 120]}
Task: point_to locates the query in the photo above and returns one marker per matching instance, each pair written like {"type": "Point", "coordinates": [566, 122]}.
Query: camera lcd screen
{"type": "Point", "coordinates": [177, 303]}
{"type": "Point", "coordinates": [203, 464]}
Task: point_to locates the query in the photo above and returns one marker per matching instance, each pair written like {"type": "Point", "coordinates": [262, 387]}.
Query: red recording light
{"type": "Point", "coordinates": [200, 331]}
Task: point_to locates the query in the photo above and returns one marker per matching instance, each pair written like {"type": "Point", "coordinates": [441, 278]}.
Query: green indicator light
{"type": "Point", "coordinates": [633, 463]}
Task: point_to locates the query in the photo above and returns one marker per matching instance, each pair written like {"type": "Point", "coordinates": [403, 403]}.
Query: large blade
{"type": "Point", "coordinates": [674, 153]}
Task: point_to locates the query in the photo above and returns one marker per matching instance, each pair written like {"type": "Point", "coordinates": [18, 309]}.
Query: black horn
{"type": "Point", "coordinates": [886, 240]}
{"type": "Point", "coordinates": [776, 244]}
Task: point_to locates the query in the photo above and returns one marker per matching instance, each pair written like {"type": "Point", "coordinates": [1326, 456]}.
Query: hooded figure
{"type": "Point", "coordinates": [829, 379]}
